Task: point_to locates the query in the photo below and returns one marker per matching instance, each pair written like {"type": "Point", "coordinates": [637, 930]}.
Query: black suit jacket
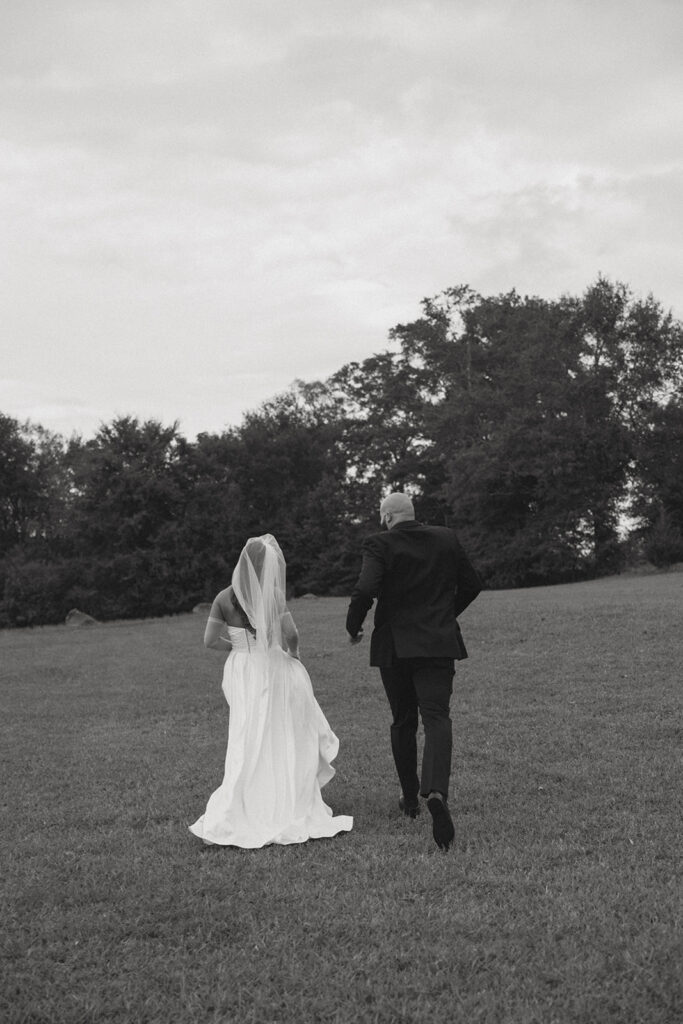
{"type": "Point", "coordinates": [422, 580]}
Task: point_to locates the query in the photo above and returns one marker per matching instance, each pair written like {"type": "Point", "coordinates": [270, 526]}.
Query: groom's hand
{"type": "Point", "coordinates": [357, 638]}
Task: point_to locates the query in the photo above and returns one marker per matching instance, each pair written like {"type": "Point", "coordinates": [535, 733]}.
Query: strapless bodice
{"type": "Point", "coordinates": [241, 639]}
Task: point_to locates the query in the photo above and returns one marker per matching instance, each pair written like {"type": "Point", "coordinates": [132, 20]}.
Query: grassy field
{"type": "Point", "coordinates": [560, 900]}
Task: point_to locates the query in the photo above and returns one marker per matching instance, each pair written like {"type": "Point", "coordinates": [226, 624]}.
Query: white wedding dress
{"type": "Point", "coordinates": [280, 749]}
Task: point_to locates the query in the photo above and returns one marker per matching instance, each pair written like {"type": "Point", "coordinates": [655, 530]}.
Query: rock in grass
{"type": "Point", "coordinates": [203, 608]}
{"type": "Point", "coordinates": [77, 618]}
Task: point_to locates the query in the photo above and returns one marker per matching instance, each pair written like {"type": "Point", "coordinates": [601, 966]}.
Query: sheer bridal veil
{"type": "Point", "coordinates": [258, 582]}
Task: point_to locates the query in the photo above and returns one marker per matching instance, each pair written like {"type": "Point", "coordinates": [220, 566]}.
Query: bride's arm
{"type": "Point", "coordinates": [214, 627]}
{"type": "Point", "coordinates": [290, 635]}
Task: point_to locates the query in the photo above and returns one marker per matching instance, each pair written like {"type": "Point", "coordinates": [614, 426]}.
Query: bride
{"type": "Point", "coordinates": [280, 745]}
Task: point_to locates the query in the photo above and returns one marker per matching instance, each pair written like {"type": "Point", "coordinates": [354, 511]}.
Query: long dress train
{"type": "Point", "coordinates": [279, 755]}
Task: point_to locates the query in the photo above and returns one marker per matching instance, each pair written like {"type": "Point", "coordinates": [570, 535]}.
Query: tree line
{"type": "Point", "coordinates": [548, 433]}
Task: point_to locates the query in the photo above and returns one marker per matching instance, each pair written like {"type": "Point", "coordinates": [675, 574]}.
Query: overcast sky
{"type": "Point", "coordinates": [201, 200]}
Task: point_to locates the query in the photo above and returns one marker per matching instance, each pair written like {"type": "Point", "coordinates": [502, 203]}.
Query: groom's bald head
{"type": "Point", "coordinates": [396, 508]}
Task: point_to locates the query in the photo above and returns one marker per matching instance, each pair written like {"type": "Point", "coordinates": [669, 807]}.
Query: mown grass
{"type": "Point", "coordinates": [560, 901]}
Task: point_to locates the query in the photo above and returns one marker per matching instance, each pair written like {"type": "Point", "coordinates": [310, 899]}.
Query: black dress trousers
{"type": "Point", "coordinates": [424, 685]}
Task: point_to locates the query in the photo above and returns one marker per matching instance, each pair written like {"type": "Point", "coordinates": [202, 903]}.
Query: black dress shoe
{"type": "Point", "coordinates": [410, 810]}
{"type": "Point", "coordinates": [442, 823]}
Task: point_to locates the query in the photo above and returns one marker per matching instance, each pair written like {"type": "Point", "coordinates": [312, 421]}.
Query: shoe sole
{"type": "Point", "coordinates": [442, 823]}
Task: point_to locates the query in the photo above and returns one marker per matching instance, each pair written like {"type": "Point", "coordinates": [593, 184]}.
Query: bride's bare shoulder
{"type": "Point", "coordinates": [223, 603]}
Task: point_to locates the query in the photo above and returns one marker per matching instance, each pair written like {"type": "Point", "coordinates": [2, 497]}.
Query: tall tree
{"type": "Point", "coordinates": [509, 435]}
{"type": "Point", "coordinates": [33, 484]}
{"type": "Point", "coordinates": [631, 358]}
{"type": "Point", "coordinates": [125, 493]}
{"type": "Point", "coordinates": [519, 415]}
{"type": "Point", "coordinates": [34, 499]}
{"type": "Point", "coordinates": [658, 498]}
{"type": "Point", "coordinates": [202, 543]}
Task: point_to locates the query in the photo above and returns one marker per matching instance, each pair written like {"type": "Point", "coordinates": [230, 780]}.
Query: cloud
{"type": "Point", "coordinates": [265, 185]}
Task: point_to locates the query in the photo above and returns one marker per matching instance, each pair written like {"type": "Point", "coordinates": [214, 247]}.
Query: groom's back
{"type": "Point", "coordinates": [421, 564]}
{"type": "Point", "coordinates": [425, 578]}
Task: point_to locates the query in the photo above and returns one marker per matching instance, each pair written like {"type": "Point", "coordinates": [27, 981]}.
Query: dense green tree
{"type": "Point", "coordinates": [517, 417]}
{"type": "Point", "coordinates": [530, 425]}
{"type": "Point", "coordinates": [124, 493]}
{"type": "Point", "coordinates": [17, 484]}
{"type": "Point", "coordinates": [202, 543]}
{"type": "Point", "coordinates": [125, 485]}
{"type": "Point", "coordinates": [33, 483]}
{"type": "Point", "coordinates": [658, 499]}
{"type": "Point", "coordinates": [631, 357]}
{"type": "Point", "coordinates": [500, 427]}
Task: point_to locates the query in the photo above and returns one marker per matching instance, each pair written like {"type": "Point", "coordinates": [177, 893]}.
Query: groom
{"type": "Point", "coordinates": [422, 580]}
